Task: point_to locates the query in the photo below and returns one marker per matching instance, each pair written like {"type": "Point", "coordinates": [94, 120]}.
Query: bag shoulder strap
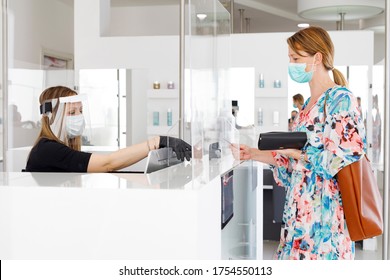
{"type": "Point", "coordinates": [334, 89]}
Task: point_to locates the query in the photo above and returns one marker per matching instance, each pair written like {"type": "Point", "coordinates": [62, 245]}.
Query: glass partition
{"type": "Point", "coordinates": [208, 109]}
{"type": "Point", "coordinates": [39, 55]}
{"type": "Point", "coordinates": [215, 132]}
{"type": "Point", "coordinates": [101, 86]}
{"type": "Point", "coordinates": [378, 114]}
{"type": "Point", "coordinates": [1, 86]}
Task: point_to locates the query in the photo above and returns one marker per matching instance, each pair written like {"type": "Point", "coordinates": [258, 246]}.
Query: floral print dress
{"type": "Point", "coordinates": [313, 220]}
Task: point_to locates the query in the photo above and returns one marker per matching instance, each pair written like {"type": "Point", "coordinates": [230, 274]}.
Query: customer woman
{"type": "Point", "coordinates": [57, 148]}
{"type": "Point", "coordinates": [314, 226]}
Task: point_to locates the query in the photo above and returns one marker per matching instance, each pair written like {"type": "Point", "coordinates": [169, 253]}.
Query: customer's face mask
{"type": "Point", "coordinates": [75, 125]}
{"type": "Point", "coordinates": [297, 72]}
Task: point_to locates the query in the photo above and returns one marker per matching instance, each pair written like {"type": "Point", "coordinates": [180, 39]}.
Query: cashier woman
{"type": "Point", "coordinates": [57, 148]}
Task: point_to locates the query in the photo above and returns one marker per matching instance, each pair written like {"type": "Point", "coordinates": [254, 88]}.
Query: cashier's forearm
{"type": "Point", "coordinates": [123, 157]}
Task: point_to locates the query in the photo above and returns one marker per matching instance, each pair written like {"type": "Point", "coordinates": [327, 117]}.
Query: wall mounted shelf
{"type": "Point", "coordinates": [163, 93]}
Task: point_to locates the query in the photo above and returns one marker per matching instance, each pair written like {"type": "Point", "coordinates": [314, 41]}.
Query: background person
{"type": "Point", "coordinates": [294, 114]}
{"type": "Point", "coordinates": [359, 101]}
{"type": "Point", "coordinates": [313, 219]}
{"type": "Point", "coordinates": [298, 101]}
{"type": "Point", "coordinates": [376, 130]}
{"type": "Point", "coordinates": [57, 148]}
{"type": "Point", "coordinates": [16, 118]}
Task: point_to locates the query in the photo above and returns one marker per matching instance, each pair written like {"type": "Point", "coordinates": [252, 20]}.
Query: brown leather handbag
{"type": "Point", "coordinates": [362, 201]}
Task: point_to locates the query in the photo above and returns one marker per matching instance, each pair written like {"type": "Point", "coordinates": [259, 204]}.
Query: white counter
{"type": "Point", "coordinates": [164, 215]}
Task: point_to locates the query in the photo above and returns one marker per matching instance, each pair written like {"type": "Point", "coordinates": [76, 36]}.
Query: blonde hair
{"type": "Point", "coordinates": [49, 94]}
{"type": "Point", "coordinates": [299, 98]}
{"type": "Point", "coordinates": [314, 40]}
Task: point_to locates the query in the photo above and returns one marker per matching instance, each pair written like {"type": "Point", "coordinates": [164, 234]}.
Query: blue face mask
{"type": "Point", "coordinates": [295, 105]}
{"type": "Point", "coordinates": [297, 72]}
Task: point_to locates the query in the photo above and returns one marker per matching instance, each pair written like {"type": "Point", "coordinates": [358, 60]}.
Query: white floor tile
{"type": "Point", "coordinates": [360, 254]}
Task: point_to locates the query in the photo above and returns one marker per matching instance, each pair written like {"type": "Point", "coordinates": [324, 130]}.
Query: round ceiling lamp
{"type": "Point", "coordinates": [330, 10]}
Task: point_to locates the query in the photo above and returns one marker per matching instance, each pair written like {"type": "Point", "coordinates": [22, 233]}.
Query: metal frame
{"type": "Point", "coordinates": [181, 68]}
{"type": "Point", "coordinates": [4, 78]}
{"type": "Point", "coordinates": [386, 160]}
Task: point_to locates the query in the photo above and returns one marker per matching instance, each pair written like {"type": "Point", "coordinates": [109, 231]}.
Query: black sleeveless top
{"type": "Point", "coordinates": [51, 156]}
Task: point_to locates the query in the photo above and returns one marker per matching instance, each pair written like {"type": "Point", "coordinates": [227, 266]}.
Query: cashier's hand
{"type": "Point", "coordinates": [180, 147]}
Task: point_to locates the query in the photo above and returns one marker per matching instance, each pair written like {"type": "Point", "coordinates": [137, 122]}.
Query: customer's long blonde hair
{"type": "Point", "coordinates": [314, 40]}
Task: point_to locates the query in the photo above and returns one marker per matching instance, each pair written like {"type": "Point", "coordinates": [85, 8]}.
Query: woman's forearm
{"type": "Point", "coordinates": [262, 156]}
{"type": "Point", "coordinates": [123, 157]}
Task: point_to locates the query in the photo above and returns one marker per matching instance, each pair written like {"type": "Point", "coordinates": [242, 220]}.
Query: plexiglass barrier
{"type": "Point", "coordinates": [208, 112]}
{"type": "Point", "coordinates": [24, 119]}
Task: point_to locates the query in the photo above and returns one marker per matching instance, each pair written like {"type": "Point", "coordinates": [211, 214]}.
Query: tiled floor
{"type": "Point", "coordinates": [270, 248]}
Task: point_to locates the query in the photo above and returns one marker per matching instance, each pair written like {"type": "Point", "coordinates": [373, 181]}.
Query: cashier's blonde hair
{"type": "Point", "coordinates": [54, 93]}
{"type": "Point", "coordinates": [314, 40]}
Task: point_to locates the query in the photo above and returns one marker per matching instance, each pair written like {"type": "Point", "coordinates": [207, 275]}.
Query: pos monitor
{"type": "Point", "coordinates": [226, 198]}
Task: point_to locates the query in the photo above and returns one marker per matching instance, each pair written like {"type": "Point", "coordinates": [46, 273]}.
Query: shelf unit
{"type": "Point", "coordinates": [160, 100]}
{"type": "Point", "coordinates": [271, 93]}
{"type": "Point", "coordinates": [163, 93]}
{"type": "Point", "coordinates": [162, 130]}
{"type": "Point", "coordinates": [270, 99]}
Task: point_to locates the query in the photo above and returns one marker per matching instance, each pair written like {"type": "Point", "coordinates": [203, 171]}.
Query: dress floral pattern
{"type": "Point", "coordinates": [313, 220]}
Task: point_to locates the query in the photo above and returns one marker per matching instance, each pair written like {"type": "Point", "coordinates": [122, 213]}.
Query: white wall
{"type": "Point", "coordinates": [36, 25]}
{"type": "Point", "coordinates": [145, 21]}
{"type": "Point", "coordinates": [158, 56]}
{"type": "Point", "coordinates": [95, 51]}
{"type": "Point", "coordinates": [267, 53]}
{"type": "Point", "coordinates": [353, 47]}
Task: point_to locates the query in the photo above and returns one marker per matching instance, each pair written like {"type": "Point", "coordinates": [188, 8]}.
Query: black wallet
{"type": "Point", "coordinates": [282, 140]}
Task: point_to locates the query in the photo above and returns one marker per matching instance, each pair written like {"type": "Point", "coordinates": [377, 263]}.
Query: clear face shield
{"type": "Point", "coordinates": [69, 119]}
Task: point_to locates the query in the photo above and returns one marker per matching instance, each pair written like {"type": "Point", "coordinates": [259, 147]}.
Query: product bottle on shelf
{"type": "Point", "coordinates": [156, 118]}
{"type": "Point", "coordinates": [260, 117]}
{"type": "Point", "coordinates": [169, 117]}
{"type": "Point", "coordinates": [276, 118]}
{"type": "Point", "coordinates": [261, 81]}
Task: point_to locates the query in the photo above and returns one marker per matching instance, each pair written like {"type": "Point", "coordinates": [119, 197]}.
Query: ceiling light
{"type": "Point", "coordinates": [303, 25]}
{"type": "Point", "coordinates": [201, 16]}
{"type": "Point", "coordinates": [330, 10]}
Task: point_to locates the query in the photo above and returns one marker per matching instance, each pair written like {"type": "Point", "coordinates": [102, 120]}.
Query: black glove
{"type": "Point", "coordinates": [180, 147]}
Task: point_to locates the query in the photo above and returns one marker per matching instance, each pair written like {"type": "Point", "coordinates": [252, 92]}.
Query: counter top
{"type": "Point", "coordinates": [181, 176]}
{"type": "Point", "coordinates": [174, 213]}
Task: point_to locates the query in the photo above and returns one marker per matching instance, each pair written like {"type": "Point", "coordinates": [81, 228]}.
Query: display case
{"type": "Point", "coordinates": [163, 112]}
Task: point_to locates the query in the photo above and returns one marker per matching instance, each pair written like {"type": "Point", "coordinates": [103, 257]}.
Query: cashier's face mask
{"type": "Point", "coordinates": [297, 72]}
{"type": "Point", "coordinates": [75, 125]}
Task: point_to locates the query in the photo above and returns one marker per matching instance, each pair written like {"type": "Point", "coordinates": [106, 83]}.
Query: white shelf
{"type": "Point", "coordinates": [163, 93]}
{"type": "Point", "coordinates": [271, 93]}
{"type": "Point", "coordinates": [269, 128]}
{"type": "Point", "coordinates": [162, 130]}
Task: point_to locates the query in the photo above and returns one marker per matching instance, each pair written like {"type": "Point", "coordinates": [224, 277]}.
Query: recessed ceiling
{"type": "Point", "coordinates": [262, 15]}
{"type": "Point", "coordinates": [119, 3]}
{"type": "Point", "coordinates": [278, 16]}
